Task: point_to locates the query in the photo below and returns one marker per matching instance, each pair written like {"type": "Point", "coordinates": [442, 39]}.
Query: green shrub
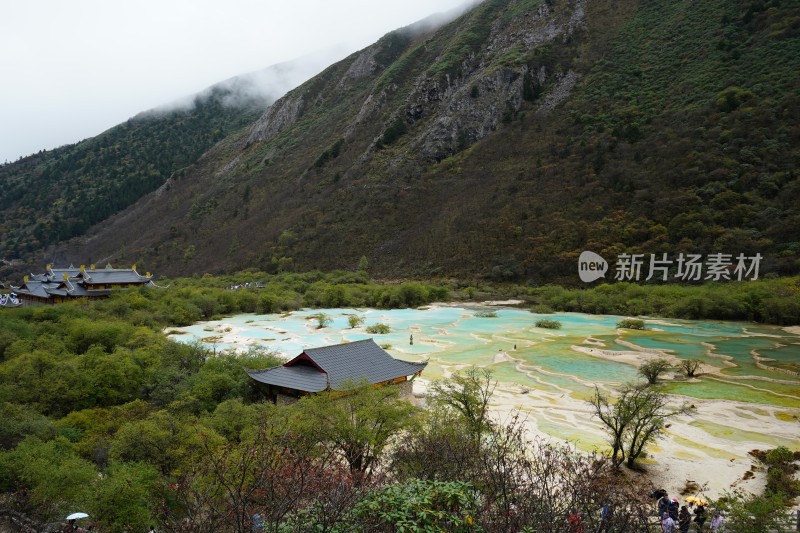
{"type": "Point", "coordinates": [541, 309]}
{"type": "Point", "coordinates": [418, 505]}
{"type": "Point", "coordinates": [548, 323]}
{"type": "Point", "coordinates": [731, 98]}
{"type": "Point", "coordinates": [750, 512]}
{"type": "Point", "coordinates": [378, 329]}
{"type": "Point", "coordinates": [394, 131]}
{"type": "Point", "coordinates": [322, 319]}
{"type": "Point", "coordinates": [355, 320]}
{"type": "Point", "coordinates": [780, 472]}
{"type": "Point", "coordinates": [778, 456]}
{"type": "Point", "coordinates": [631, 323]}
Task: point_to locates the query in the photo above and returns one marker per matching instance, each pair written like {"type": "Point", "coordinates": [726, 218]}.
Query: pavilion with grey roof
{"type": "Point", "coordinates": [58, 285]}
{"type": "Point", "coordinates": [335, 368]}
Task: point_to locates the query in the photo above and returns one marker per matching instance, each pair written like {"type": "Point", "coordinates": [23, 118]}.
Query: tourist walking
{"type": "Point", "coordinates": [684, 520]}
{"type": "Point", "coordinates": [605, 516]}
{"type": "Point", "coordinates": [663, 505]}
{"type": "Point", "coordinates": [667, 524]}
{"type": "Point", "coordinates": [673, 509]}
{"type": "Point", "coordinates": [718, 522]}
{"type": "Point", "coordinates": [700, 517]}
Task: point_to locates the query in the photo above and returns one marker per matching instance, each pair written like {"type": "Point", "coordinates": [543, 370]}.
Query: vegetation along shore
{"type": "Point", "coordinates": [102, 412]}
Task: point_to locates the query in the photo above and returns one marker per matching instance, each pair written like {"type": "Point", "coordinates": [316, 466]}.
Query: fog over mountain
{"type": "Point", "coordinates": [71, 71]}
{"type": "Point", "coordinates": [261, 86]}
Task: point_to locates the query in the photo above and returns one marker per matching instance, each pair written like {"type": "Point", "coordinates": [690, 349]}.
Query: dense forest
{"type": "Point", "coordinates": [103, 413]}
{"type": "Point", "coordinates": [55, 195]}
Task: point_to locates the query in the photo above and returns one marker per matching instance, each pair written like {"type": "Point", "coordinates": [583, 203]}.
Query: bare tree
{"type": "Point", "coordinates": [690, 366]}
{"type": "Point", "coordinates": [616, 418]}
{"type": "Point", "coordinates": [648, 416]}
{"type": "Point", "coordinates": [439, 447]}
{"type": "Point", "coordinates": [636, 419]}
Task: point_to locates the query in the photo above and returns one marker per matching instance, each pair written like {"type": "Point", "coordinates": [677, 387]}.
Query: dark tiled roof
{"type": "Point", "coordinates": [352, 362]}
{"type": "Point", "coordinates": [58, 273]}
{"type": "Point", "coordinates": [113, 276]}
{"type": "Point", "coordinates": [298, 377]}
{"type": "Point", "coordinates": [360, 360]}
{"type": "Point", "coordinates": [34, 288]}
{"type": "Point", "coordinates": [79, 282]}
{"type": "Point", "coordinates": [75, 291]}
{"type": "Point", "coordinates": [64, 288]}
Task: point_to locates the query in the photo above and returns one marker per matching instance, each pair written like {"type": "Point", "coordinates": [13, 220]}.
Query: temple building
{"type": "Point", "coordinates": [336, 368]}
{"type": "Point", "coordinates": [59, 285]}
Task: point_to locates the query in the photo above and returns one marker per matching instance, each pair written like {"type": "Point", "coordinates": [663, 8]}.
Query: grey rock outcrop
{"type": "Point", "coordinates": [448, 111]}
{"type": "Point", "coordinates": [279, 116]}
{"type": "Point", "coordinates": [469, 107]}
{"type": "Point", "coordinates": [362, 66]}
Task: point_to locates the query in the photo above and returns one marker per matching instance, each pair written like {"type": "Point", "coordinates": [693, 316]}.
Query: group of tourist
{"type": "Point", "coordinates": [676, 518]}
{"type": "Point", "coordinates": [248, 285]}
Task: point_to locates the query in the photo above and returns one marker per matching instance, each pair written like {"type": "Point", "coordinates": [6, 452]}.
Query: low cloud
{"type": "Point", "coordinates": [260, 87]}
{"type": "Point", "coordinates": [437, 20]}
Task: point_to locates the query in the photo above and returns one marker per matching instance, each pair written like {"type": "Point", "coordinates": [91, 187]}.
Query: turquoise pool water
{"type": "Point", "coordinates": [533, 358]}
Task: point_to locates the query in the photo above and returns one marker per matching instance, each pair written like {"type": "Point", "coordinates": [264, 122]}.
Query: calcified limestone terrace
{"type": "Point", "coordinates": [746, 396]}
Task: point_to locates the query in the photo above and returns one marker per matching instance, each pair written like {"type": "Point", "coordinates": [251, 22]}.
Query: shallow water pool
{"type": "Point", "coordinates": [522, 354]}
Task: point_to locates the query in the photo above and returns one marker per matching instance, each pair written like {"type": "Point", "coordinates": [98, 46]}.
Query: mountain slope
{"type": "Point", "coordinates": [58, 194]}
{"type": "Point", "coordinates": [503, 144]}
{"type": "Point", "coordinates": [54, 195]}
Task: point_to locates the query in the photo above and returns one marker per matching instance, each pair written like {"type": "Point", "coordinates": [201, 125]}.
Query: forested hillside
{"type": "Point", "coordinates": [55, 195]}
{"type": "Point", "coordinates": [501, 145]}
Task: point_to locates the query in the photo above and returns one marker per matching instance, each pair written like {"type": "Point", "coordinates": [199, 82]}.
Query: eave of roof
{"type": "Point", "coordinates": [113, 276]}
{"type": "Point", "coordinates": [299, 377]}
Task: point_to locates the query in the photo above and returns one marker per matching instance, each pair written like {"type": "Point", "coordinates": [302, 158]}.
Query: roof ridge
{"type": "Point", "coordinates": [346, 343]}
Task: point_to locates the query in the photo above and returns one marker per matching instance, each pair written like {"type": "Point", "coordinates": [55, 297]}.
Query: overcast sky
{"type": "Point", "coordinates": [72, 69]}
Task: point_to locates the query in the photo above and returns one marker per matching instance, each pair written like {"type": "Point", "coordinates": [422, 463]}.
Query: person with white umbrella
{"type": "Point", "coordinates": [71, 525]}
